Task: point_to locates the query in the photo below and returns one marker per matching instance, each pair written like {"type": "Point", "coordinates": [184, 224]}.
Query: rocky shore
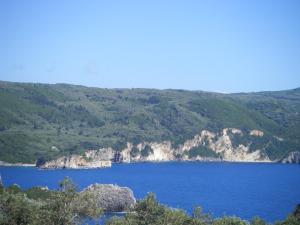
{"type": "Point", "coordinates": [75, 162]}
{"type": "Point", "coordinates": [293, 157]}
{"type": "Point", "coordinates": [205, 146]}
{"type": "Point", "coordinates": [16, 164]}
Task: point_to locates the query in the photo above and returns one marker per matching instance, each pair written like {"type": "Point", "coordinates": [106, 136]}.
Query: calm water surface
{"type": "Point", "coordinates": [270, 191]}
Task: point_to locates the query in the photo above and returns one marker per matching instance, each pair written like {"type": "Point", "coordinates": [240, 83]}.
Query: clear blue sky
{"type": "Point", "coordinates": [225, 46]}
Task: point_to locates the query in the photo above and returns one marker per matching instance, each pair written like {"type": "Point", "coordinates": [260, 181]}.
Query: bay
{"type": "Point", "coordinates": [268, 190]}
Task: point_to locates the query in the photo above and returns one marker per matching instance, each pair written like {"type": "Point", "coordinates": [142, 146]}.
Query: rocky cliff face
{"type": "Point", "coordinates": [205, 146]}
{"type": "Point", "coordinates": [110, 198]}
{"type": "Point", "coordinates": [220, 145]}
{"type": "Point", "coordinates": [224, 146]}
{"type": "Point", "coordinates": [293, 157]}
{"type": "Point", "coordinates": [91, 159]}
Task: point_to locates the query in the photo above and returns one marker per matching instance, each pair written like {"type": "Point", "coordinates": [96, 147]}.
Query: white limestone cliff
{"type": "Point", "coordinates": [220, 143]}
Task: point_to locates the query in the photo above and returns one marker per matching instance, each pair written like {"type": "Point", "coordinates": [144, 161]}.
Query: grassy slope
{"type": "Point", "coordinates": [35, 117]}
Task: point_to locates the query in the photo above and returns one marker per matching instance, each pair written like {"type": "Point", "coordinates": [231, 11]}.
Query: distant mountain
{"type": "Point", "coordinates": [42, 121]}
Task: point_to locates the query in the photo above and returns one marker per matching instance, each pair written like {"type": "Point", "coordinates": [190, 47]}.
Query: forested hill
{"type": "Point", "coordinates": [42, 120]}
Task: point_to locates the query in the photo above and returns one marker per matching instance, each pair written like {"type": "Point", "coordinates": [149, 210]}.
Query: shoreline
{"type": "Point", "coordinates": [6, 164]}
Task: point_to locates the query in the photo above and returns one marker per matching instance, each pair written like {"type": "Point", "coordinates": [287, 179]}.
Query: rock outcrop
{"type": "Point", "coordinates": [111, 198]}
{"type": "Point", "coordinates": [89, 160]}
{"type": "Point", "coordinates": [222, 146]}
{"type": "Point", "coordinates": [158, 152]}
{"type": "Point", "coordinates": [293, 157]}
{"type": "Point", "coordinates": [256, 133]}
{"type": "Point", "coordinates": [16, 164]}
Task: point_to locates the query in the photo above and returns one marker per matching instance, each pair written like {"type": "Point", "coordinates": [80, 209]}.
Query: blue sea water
{"type": "Point", "coordinates": [270, 191]}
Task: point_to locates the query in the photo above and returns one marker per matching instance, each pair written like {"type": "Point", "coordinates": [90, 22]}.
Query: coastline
{"type": "Point", "coordinates": [6, 164]}
{"type": "Point", "coordinates": [2, 163]}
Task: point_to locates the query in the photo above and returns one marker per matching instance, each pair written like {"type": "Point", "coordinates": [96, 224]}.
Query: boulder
{"type": "Point", "coordinates": [109, 197]}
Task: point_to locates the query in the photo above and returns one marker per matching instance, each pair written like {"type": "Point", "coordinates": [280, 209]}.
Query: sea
{"type": "Point", "coordinates": [268, 190]}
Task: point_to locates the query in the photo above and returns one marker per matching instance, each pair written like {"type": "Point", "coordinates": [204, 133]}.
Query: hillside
{"type": "Point", "coordinates": [48, 121]}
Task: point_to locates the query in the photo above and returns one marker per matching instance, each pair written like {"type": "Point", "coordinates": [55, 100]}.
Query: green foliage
{"type": "Point", "coordinates": [238, 139]}
{"type": "Point", "coordinates": [35, 117]}
{"type": "Point", "coordinates": [146, 151]}
{"type": "Point", "coordinates": [37, 206]}
{"type": "Point", "coordinates": [202, 151]}
{"type": "Point", "coordinates": [134, 151]}
{"type": "Point", "coordinates": [229, 221]}
{"type": "Point", "coordinates": [39, 193]}
{"type": "Point", "coordinates": [18, 209]}
{"type": "Point", "coordinates": [296, 213]}
{"type": "Point", "coordinates": [86, 205]}
{"type": "Point", "coordinates": [14, 189]}
{"type": "Point", "coordinates": [291, 220]}
{"type": "Point", "coordinates": [258, 221]}
{"type": "Point", "coordinates": [201, 216]}
{"type": "Point", "coordinates": [119, 145]}
{"type": "Point", "coordinates": [150, 211]}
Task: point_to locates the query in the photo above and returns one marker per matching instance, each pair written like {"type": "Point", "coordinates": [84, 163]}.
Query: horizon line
{"type": "Point", "coordinates": [148, 88]}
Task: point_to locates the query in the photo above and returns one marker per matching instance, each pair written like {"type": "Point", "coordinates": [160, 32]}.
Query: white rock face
{"type": "Point", "coordinates": [220, 143]}
{"type": "Point", "coordinates": [76, 162]}
{"type": "Point", "coordinates": [236, 131]}
{"type": "Point", "coordinates": [224, 146]}
{"type": "Point", "coordinates": [125, 154]}
{"type": "Point", "coordinates": [293, 157]}
{"type": "Point", "coordinates": [278, 138]}
{"type": "Point", "coordinates": [257, 133]}
{"type": "Point", "coordinates": [103, 154]}
{"type": "Point", "coordinates": [198, 140]}
{"type": "Point", "coordinates": [161, 151]}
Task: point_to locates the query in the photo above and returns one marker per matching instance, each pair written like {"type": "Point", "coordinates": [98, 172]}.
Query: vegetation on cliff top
{"type": "Point", "coordinates": [36, 117]}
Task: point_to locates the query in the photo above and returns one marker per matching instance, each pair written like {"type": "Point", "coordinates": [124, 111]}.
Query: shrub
{"type": "Point", "coordinates": [202, 151]}
{"type": "Point", "coordinates": [146, 151]}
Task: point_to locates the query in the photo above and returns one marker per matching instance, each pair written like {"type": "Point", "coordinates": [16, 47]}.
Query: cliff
{"type": "Point", "coordinates": [205, 146]}
{"type": "Point", "coordinates": [293, 157]}
{"type": "Point", "coordinates": [36, 117]}
{"type": "Point", "coordinates": [76, 162]}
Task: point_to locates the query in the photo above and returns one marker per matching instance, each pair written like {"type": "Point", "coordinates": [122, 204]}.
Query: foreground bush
{"type": "Point", "coordinates": [45, 207]}
{"type": "Point", "coordinates": [150, 212]}
{"type": "Point", "coordinates": [38, 206]}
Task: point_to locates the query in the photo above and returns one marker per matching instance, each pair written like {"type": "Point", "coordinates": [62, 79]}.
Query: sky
{"type": "Point", "coordinates": [224, 46]}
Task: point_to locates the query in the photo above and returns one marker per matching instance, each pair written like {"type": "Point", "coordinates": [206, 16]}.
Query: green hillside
{"type": "Point", "coordinates": [36, 117]}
